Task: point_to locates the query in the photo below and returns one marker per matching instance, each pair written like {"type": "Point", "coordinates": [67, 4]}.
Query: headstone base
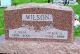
{"type": "Point", "coordinates": [32, 47]}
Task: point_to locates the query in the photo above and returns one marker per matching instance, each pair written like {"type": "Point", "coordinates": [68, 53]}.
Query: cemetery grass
{"type": "Point", "coordinates": [77, 31]}
{"type": "Point", "coordinates": [76, 9]}
{"type": "Point", "coordinates": [15, 2]}
{"type": "Point", "coordinates": [1, 21]}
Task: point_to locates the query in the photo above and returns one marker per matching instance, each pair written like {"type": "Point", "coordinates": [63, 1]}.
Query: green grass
{"type": "Point", "coordinates": [1, 21]}
{"type": "Point", "coordinates": [77, 31]}
{"type": "Point", "coordinates": [76, 9]}
{"type": "Point", "coordinates": [1, 31]}
{"type": "Point", "coordinates": [15, 2]}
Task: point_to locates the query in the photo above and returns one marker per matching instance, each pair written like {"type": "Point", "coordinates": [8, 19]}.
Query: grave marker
{"type": "Point", "coordinates": [39, 22]}
{"type": "Point", "coordinates": [60, 2]}
{"type": "Point", "coordinates": [5, 3]}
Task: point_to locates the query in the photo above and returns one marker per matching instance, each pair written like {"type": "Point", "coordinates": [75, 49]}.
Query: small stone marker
{"type": "Point", "coordinates": [39, 22]}
{"type": "Point", "coordinates": [70, 2]}
{"type": "Point", "coordinates": [5, 3]}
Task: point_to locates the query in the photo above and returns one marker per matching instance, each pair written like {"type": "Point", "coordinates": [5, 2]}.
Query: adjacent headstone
{"type": "Point", "coordinates": [61, 2]}
{"type": "Point", "coordinates": [5, 3]}
{"type": "Point", "coordinates": [39, 22]}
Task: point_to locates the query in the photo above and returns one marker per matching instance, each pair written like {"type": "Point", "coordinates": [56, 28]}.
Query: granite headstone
{"type": "Point", "coordinates": [39, 22]}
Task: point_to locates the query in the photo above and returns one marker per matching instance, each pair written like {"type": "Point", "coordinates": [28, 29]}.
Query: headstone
{"type": "Point", "coordinates": [62, 2]}
{"type": "Point", "coordinates": [39, 22]}
{"type": "Point", "coordinates": [5, 3]}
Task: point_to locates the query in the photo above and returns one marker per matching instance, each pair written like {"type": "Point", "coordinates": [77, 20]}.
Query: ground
{"type": "Point", "coordinates": [76, 9]}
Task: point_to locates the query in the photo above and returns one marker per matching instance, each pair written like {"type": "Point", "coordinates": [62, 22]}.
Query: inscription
{"type": "Point", "coordinates": [25, 32]}
{"type": "Point", "coordinates": [37, 17]}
